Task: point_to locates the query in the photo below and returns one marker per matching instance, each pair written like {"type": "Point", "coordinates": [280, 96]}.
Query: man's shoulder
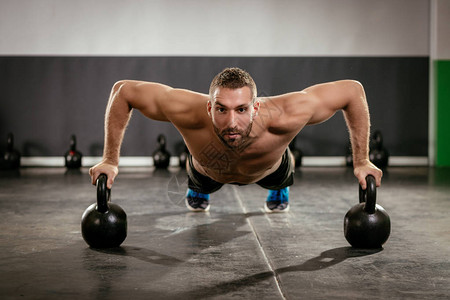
{"type": "Point", "coordinates": [187, 109]}
{"type": "Point", "coordinates": [284, 113]}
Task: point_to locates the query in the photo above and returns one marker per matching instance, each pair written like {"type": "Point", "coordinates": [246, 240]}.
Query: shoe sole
{"type": "Point", "coordinates": [276, 210]}
{"type": "Point", "coordinates": [196, 209]}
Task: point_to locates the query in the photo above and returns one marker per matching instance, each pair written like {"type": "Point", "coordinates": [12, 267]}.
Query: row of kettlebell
{"type": "Point", "coordinates": [161, 157]}
{"type": "Point", "coordinates": [10, 160]}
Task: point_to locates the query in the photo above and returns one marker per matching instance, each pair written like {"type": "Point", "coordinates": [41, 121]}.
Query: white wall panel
{"type": "Point", "coordinates": [205, 28]}
{"type": "Point", "coordinates": [442, 34]}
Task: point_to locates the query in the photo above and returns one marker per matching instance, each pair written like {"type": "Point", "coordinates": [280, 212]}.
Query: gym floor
{"type": "Point", "coordinates": [234, 251]}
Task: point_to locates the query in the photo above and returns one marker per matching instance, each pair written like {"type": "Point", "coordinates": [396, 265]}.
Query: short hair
{"type": "Point", "coordinates": [233, 78]}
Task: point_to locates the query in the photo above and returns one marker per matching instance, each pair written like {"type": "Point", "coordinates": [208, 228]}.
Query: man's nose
{"type": "Point", "coordinates": [232, 120]}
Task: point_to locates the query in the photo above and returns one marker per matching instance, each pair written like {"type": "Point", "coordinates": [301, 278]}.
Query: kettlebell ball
{"type": "Point", "coordinates": [367, 225]}
{"type": "Point", "coordinates": [104, 224]}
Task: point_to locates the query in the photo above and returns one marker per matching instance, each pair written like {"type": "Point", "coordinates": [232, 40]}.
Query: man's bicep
{"type": "Point", "coordinates": [327, 98]}
{"type": "Point", "coordinates": [163, 103]}
{"type": "Point", "coordinates": [147, 97]}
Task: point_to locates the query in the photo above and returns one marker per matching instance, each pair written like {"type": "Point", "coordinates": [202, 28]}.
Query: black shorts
{"type": "Point", "coordinates": [281, 178]}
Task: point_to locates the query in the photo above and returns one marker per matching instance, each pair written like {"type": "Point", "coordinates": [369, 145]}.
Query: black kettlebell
{"type": "Point", "coordinates": [161, 157]}
{"type": "Point", "coordinates": [378, 154]}
{"type": "Point", "coordinates": [72, 156]}
{"type": "Point", "coordinates": [11, 158]}
{"type": "Point", "coordinates": [296, 152]}
{"type": "Point", "coordinates": [367, 225]}
{"type": "Point", "coordinates": [104, 224]}
{"type": "Point", "coordinates": [183, 157]}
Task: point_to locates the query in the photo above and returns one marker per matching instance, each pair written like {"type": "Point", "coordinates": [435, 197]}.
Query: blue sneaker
{"type": "Point", "coordinates": [277, 201]}
{"type": "Point", "coordinates": [197, 201]}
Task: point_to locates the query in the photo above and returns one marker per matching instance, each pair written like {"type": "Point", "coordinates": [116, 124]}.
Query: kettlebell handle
{"type": "Point", "coordinates": [73, 143]}
{"type": "Point", "coordinates": [162, 141]}
{"type": "Point", "coordinates": [369, 195]}
{"type": "Point", "coordinates": [103, 193]}
{"type": "Point", "coordinates": [10, 142]}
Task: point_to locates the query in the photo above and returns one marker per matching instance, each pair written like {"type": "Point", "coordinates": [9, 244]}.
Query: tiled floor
{"type": "Point", "coordinates": [235, 251]}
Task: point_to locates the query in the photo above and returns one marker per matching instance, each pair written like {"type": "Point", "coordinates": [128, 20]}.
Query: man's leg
{"type": "Point", "coordinates": [197, 201]}
{"type": "Point", "coordinates": [277, 200]}
{"type": "Point", "coordinates": [278, 185]}
{"type": "Point", "coordinates": [199, 188]}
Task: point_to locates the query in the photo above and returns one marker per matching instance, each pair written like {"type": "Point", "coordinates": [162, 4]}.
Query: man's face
{"type": "Point", "coordinates": [232, 113]}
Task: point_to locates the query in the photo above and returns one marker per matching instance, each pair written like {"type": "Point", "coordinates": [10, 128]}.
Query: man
{"type": "Point", "coordinates": [235, 137]}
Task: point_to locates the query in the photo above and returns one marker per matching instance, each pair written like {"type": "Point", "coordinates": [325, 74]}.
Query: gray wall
{"type": "Point", "coordinates": [49, 98]}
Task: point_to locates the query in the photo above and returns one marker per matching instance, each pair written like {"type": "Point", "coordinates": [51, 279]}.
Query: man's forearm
{"type": "Point", "coordinates": [358, 122]}
{"type": "Point", "coordinates": [117, 116]}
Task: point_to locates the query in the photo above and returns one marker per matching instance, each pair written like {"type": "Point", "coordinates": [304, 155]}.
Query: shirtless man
{"type": "Point", "coordinates": [233, 136]}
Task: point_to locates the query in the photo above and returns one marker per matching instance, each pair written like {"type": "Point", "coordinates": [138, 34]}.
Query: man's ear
{"type": "Point", "coordinates": [256, 106]}
{"type": "Point", "coordinates": [209, 107]}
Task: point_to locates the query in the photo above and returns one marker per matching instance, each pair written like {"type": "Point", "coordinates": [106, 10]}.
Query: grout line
{"type": "Point", "coordinates": [268, 262]}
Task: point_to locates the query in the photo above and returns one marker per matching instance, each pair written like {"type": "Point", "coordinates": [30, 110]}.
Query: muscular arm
{"type": "Point", "coordinates": [348, 96]}
{"type": "Point", "coordinates": [125, 96]}
{"type": "Point", "coordinates": [324, 100]}
{"type": "Point", "coordinates": [156, 101]}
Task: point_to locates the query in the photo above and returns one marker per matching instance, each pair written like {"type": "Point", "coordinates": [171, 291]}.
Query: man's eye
{"type": "Point", "coordinates": [220, 109]}
{"type": "Point", "coordinates": [242, 109]}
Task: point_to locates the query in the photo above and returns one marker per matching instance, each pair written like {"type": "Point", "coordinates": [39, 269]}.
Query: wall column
{"type": "Point", "coordinates": [440, 95]}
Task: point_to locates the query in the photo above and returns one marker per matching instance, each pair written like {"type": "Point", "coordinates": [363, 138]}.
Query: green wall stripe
{"type": "Point", "coordinates": [442, 68]}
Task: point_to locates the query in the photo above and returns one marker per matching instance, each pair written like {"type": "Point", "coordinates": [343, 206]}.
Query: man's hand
{"type": "Point", "coordinates": [104, 168]}
{"type": "Point", "coordinates": [364, 168]}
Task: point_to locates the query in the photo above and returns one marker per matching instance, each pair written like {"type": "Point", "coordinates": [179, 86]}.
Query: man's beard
{"type": "Point", "coordinates": [242, 137]}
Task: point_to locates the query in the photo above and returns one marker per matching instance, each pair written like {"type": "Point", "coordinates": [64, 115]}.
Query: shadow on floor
{"type": "Point", "coordinates": [324, 260]}
{"type": "Point", "coordinates": [142, 254]}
